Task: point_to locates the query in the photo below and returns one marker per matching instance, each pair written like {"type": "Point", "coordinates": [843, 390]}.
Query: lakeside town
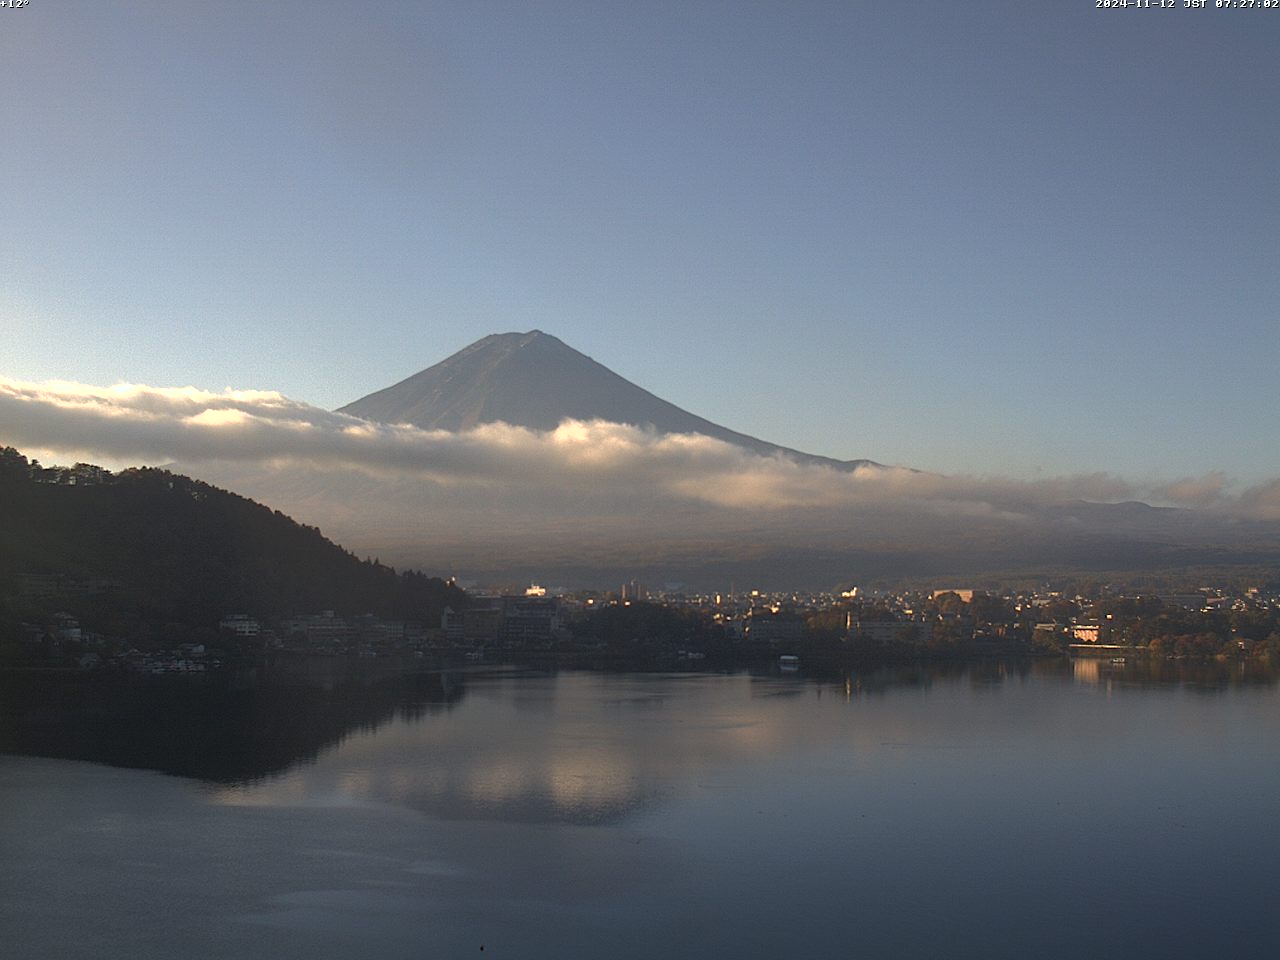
{"type": "Point", "coordinates": [148, 571]}
{"type": "Point", "coordinates": [663, 626]}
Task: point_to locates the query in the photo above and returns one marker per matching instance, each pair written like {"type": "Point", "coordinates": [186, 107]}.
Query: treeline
{"type": "Point", "coordinates": [637, 625]}
{"type": "Point", "coordinates": [1173, 631]}
{"type": "Point", "coordinates": [147, 549]}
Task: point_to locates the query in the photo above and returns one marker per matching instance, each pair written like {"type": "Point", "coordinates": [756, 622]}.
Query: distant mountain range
{"type": "Point", "coordinates": [537, 381]}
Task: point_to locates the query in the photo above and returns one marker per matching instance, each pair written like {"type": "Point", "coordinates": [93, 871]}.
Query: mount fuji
{"type": "Point", "coordinates": [535, 380]}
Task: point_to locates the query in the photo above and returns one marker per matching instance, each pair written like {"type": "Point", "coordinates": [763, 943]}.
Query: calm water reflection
{"type": "Point", "coordinates": [1058, 810]}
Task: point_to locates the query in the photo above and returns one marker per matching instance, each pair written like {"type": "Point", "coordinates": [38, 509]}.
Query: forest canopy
{"type": "Point", "coordinates": [148, 547]}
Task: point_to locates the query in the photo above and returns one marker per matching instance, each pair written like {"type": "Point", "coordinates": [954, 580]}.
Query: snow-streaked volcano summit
{"type": "Point", "coordinates": [537, 381]}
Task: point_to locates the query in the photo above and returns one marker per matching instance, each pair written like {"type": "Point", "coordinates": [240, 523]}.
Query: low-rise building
{"type": "Point", "coordinates": [241, 624]}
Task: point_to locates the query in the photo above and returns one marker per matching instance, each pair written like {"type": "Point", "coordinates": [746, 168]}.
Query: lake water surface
{"type": "Point", "coordinates": [1047, 810]}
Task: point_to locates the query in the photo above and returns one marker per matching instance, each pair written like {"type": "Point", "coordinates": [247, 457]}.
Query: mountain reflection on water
{"type": "Point", "coordinates": [230, 727]}
{"type": "Point", "coordinates": [568, 747]}
{"type": "Point", "coordinates": [1054, 810]}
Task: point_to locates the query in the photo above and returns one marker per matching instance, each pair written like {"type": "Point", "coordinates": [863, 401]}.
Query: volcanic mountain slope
{"type": "Point", "coordinates": [535, 380]}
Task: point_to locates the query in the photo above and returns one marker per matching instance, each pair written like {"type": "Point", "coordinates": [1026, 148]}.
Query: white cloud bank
{"type": "Point", "coordinates": [595, 461]}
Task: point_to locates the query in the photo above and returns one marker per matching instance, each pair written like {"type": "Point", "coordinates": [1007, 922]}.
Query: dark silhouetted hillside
{"type": "Point", "coordinates": [148, 546]}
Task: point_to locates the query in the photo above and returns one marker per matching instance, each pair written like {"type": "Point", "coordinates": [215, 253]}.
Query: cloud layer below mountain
{"type": "Point", "coordinates": [355, 478]}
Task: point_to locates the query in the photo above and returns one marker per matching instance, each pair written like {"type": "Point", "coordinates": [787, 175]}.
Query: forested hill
{"type": "Point", "coordinates": [147, 547]}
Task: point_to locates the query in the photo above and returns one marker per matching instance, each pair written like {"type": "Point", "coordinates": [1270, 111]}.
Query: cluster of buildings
{"type": "Point", "coordinates": [61, 639]}
{"type": "Point", "coordinates": [747, 622]}
{"type": "Point", "coordinates": [959, 615]}
{"type": "Point", "coordinates": [530, 619]}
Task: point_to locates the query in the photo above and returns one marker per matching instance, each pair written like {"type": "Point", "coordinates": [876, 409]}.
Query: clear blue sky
{"type": "Point", "coordinates": [982, 236]}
